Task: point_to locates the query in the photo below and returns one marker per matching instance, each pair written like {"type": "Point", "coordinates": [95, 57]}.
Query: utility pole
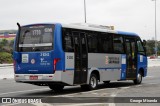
{"type": "Point", "coordinates": [156, 49]}
{"type": "Point", "coordinates": [85, 11]}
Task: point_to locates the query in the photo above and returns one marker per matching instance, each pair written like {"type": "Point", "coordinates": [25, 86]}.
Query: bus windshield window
{"type": "Point", "coordinates": [36, 38]}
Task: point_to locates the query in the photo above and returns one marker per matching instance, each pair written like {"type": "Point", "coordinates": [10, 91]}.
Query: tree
{"type": "Point", "coordinates": [4, 42]}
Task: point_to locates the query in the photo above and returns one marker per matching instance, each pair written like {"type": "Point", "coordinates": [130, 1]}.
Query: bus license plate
{"type": "Point", "coordinates": [33, 77]}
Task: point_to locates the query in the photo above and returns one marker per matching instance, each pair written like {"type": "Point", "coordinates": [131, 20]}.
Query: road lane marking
{"type": "Point", "coordinates": [153, 83]}
{"type": "Point", "coordinates": [23, 91]}
{"type": "Point", "coordinates": [114, 94]}
{"type": "Point", "coordinates": [85, 92]}
{"type": "Point", "coordinates": [138, 85]}
{"type": "Point", "coordinates": [124, 87]}
{"type": "Point", "coordinates": [95, 93]}
{"type": "Point", "coordinates": [149, 76]}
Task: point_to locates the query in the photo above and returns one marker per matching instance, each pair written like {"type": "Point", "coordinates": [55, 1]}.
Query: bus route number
{"type": "Point", "coordinates": [44, 54]}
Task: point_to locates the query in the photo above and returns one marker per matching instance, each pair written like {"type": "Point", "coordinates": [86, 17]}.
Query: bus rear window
{"type": "Point", "coordinates": [36, 38]}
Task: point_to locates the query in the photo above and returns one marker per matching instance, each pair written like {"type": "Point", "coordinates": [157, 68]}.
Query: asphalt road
{"type": "Point", "coordinates": [150, 87]}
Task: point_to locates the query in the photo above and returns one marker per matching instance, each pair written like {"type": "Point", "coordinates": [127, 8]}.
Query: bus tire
{"type": "Point", "coordinates": [93, 82]}
{"type": "Point", "coordinates": [56, 87]}
{"type": "Point", "coordinates": [138, 80]}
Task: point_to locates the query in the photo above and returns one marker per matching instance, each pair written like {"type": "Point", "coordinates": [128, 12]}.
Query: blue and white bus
{"type": "Point", "coordinates": [59, 55]}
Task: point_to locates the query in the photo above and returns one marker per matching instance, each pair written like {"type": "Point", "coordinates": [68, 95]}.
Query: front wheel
{"type": "Point", "coordinates": [138, 80]}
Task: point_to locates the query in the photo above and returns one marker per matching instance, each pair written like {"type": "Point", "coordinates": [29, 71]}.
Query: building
{"type": "Point", "coordinates": [7, 34]}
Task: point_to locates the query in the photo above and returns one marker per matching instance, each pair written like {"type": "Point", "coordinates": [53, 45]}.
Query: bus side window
{"type": "Point", "coordinates": [105, 43]}
{"type": "Point", "coordinates": [140, 47]}
{"type": "Point", "coordinates": [118, 44]}
{"type": "Point", "coordinates": [68, 42]}
{"type": "Point", "coordinates": [92, 43]}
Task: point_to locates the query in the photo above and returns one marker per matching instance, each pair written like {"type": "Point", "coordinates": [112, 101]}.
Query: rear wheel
{"type": "Point", "coordinates": [93, 82]}
{"type": "Point", "coordinates": [56, 87]}
{"type": "Point", "coordinates": [138, 80]}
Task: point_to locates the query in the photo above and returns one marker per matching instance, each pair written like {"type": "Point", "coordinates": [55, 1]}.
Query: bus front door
{"type": "Point", "coordinates": [81, 58]}
{"type": "Point", "coordinates": [131, 58]}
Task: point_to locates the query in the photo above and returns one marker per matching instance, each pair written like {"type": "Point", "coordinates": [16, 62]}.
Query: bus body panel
{"type": "Point", "coordinates": [58, 50]}
{"type": "Point", "coordinates": [124, 66]}
{"type": "Point", "coordinates": [40, 64]}
{"type": "Point", "coordinates": [108, 65]}
{"type": "Point", "coordinates": [34, 63]}
{"type": "Point", "coordinates": [68, 74]}
{"type": "Point", "coordinates": [142, 63]}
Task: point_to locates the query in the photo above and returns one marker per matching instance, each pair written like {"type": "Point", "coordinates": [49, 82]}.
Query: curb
{"type": "Point", "coordinates": [5, 65]}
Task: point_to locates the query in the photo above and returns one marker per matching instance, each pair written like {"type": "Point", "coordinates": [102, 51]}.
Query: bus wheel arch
{"type": "Point", "coordinates": [96, 73]}
{"type": "Point", "coordinates": [141, 70]}
{"type": "Point", "coordinates": [93, 81]}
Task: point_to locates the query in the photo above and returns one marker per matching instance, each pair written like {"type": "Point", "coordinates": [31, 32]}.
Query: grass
{"type": "Point", "coordinates": [5, 57]}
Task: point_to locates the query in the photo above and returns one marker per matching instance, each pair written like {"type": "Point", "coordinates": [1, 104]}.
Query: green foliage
{"type": "Point", "coordinates": [4, 42]}
{"type": "Point", "coordinates": [6, 46]}
{"type": "Point", "coordinates": [5, 51]}
{"type": "Point", "coordinates": [150, 46]}
{"type": "Point", "coordinates": [5, 57]}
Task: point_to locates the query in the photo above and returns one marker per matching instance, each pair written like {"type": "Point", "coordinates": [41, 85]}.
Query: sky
{"type": "Point", "coordinates": [136, 16]}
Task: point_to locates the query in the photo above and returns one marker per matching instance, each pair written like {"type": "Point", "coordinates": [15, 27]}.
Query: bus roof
{"type": "Point", "coordinates": [96, 28]}
{"type": "Point", "coordinates": [90, 27]}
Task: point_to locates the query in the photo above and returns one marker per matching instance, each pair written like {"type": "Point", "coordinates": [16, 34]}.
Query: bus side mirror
{"type": "Point", "coordinates": [144, 42]}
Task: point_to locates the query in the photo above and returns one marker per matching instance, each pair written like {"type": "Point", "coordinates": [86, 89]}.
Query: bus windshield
{"type": "Point", "coordinates": [36, 38]}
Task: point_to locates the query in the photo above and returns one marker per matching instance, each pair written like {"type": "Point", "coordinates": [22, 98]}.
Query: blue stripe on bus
{"type": "Point", "coordinates": [98, 68]}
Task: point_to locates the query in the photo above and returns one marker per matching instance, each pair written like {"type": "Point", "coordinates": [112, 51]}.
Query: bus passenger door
{"type": "Point", "coordinates": [81, 58]}
{"type": "Point", "coordinates": [131, 58]}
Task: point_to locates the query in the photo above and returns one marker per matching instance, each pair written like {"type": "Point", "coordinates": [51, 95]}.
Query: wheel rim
{"type": "Point", "coordinates": [93, 82]}
{"type": "Point", "coordinates": [139, 77]}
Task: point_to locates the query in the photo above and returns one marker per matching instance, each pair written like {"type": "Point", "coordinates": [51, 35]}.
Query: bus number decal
{"type": "Point", "coordinates": [36, 32]}
{"type": "Point", "coordinates": [44, 54]}
{"type": "Point", "coordinates": [48, 30]}
{"type": "Point", "coordinates": [43, 60]}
